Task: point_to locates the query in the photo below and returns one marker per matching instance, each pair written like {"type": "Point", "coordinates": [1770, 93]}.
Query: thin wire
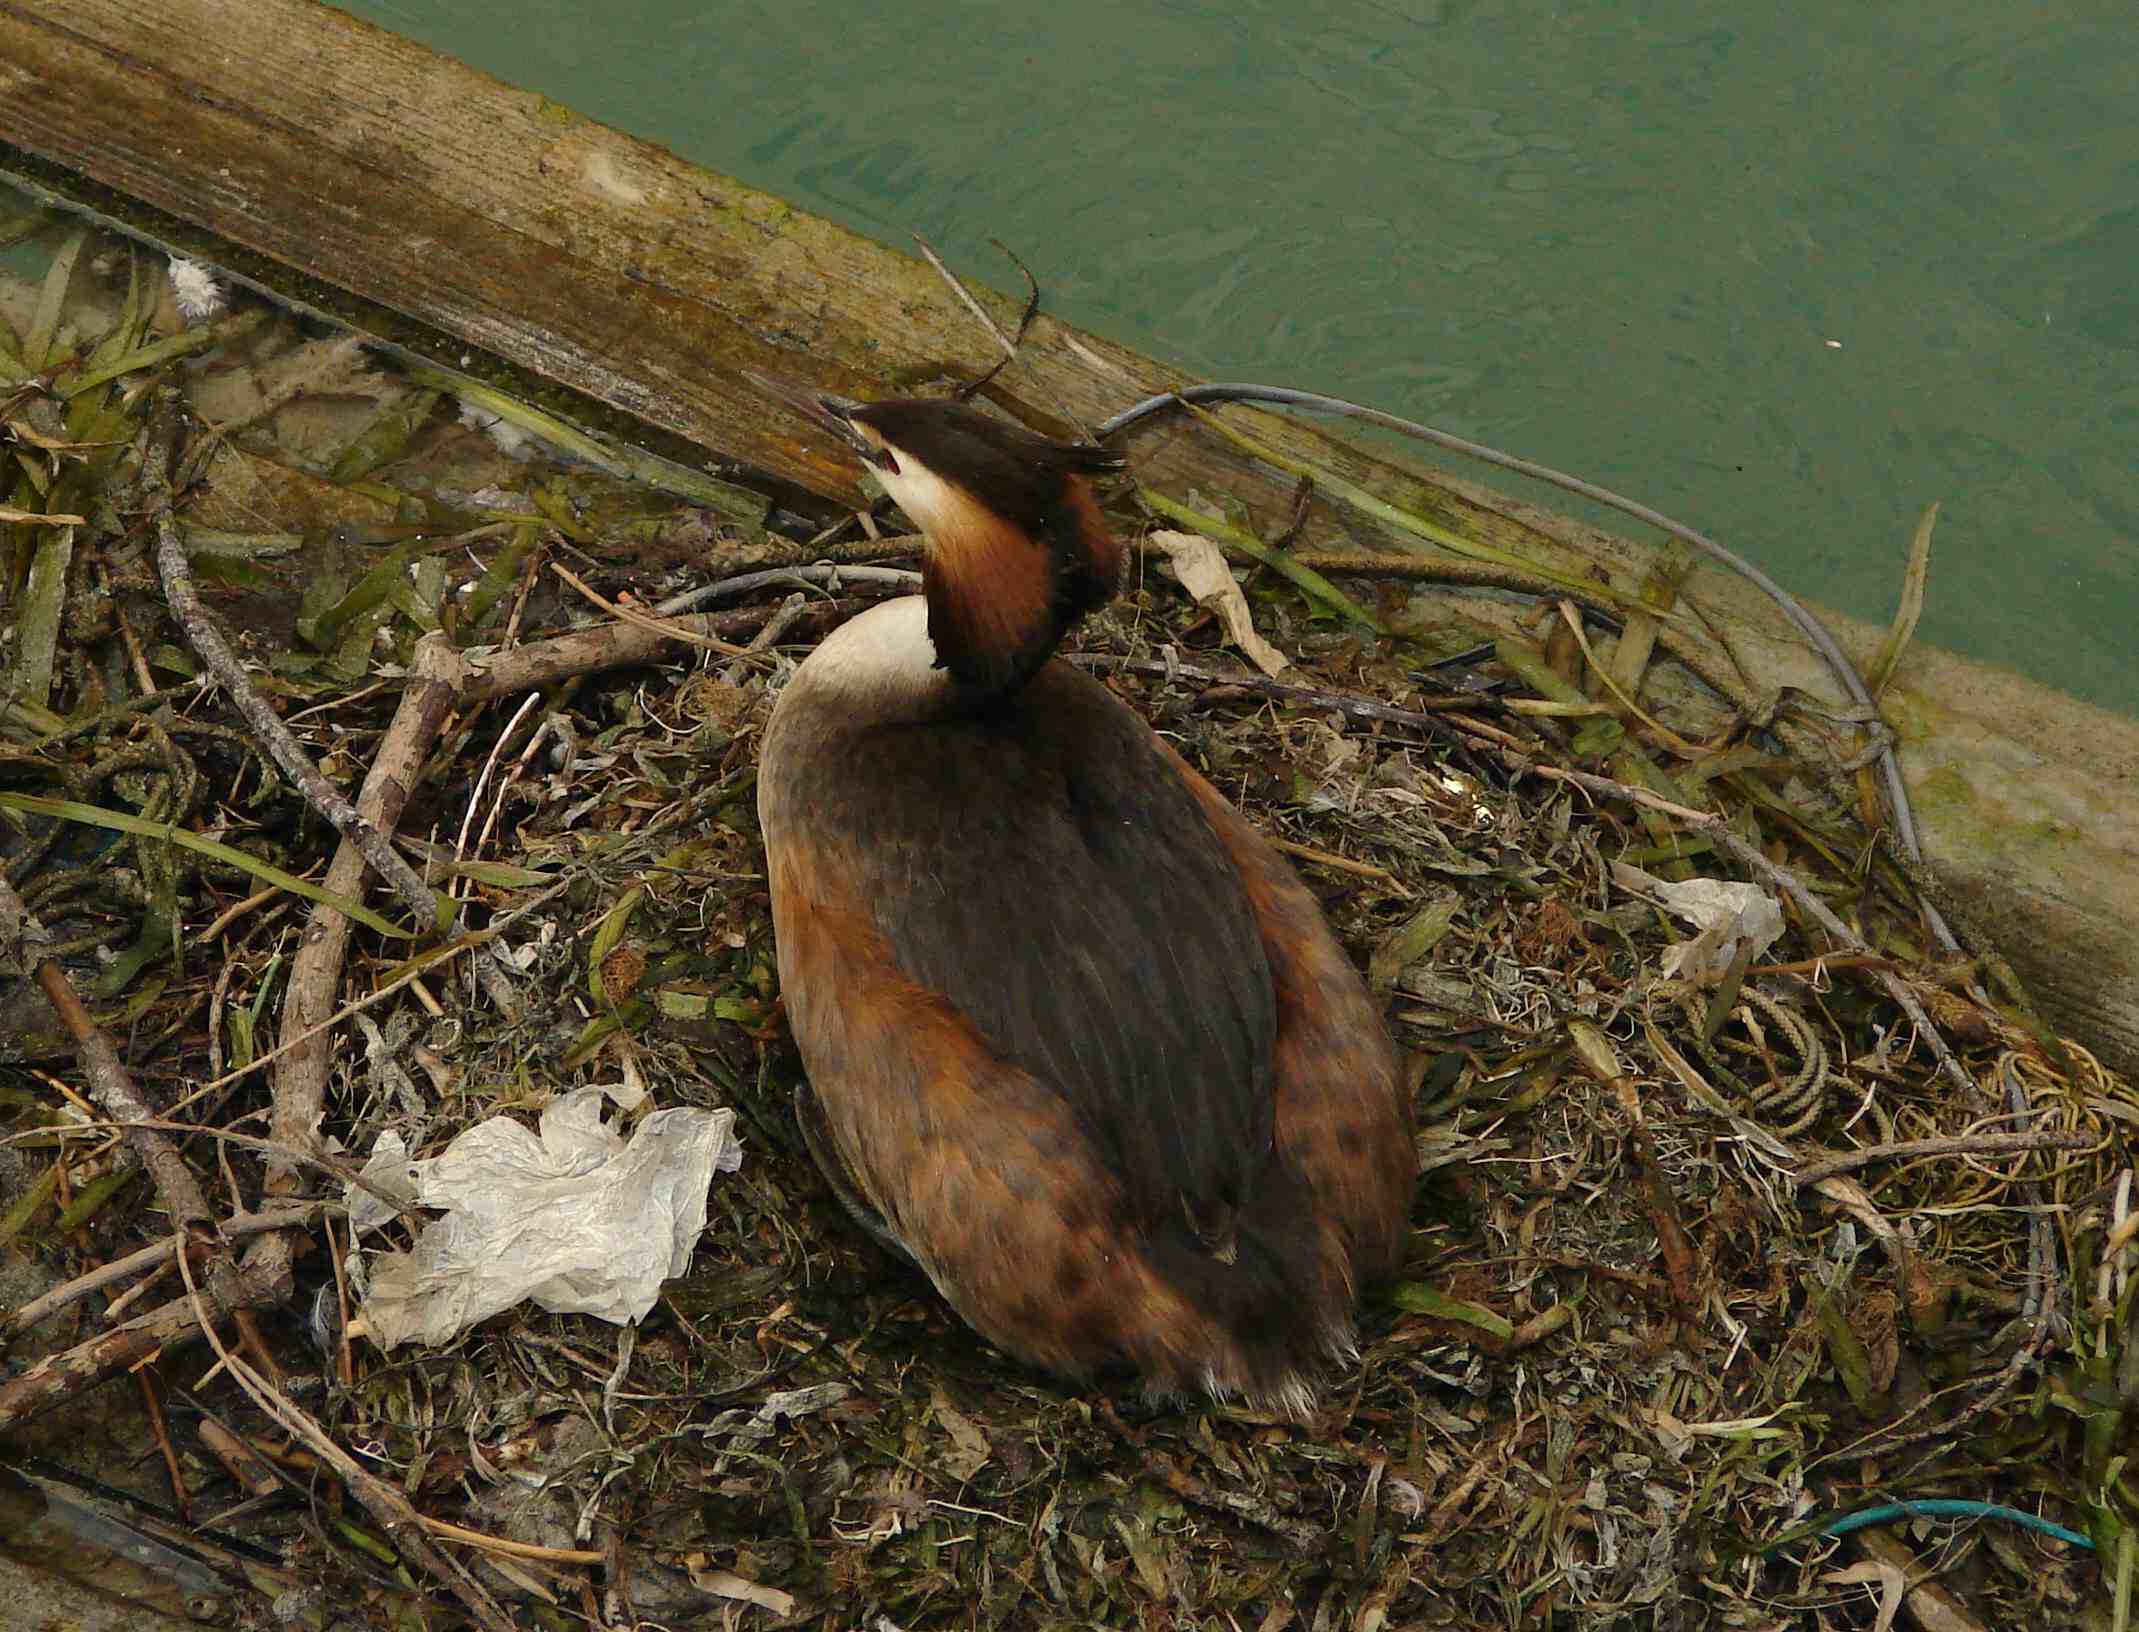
{"type": "Point", "coordinates": [1837, 660]}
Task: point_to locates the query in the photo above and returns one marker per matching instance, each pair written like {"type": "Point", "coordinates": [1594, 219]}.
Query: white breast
{"type": "Point", "coordinates": [879, 665]}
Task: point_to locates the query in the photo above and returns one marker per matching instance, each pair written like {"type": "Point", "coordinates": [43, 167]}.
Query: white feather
{"type": "Point", "coordinates": [195, 289]}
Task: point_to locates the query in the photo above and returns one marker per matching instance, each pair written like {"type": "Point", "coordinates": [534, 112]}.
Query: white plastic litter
{"type": "Point", "coordinates": [1726, 915]}
{"type": "Point", "coordinates": [576, 1217]}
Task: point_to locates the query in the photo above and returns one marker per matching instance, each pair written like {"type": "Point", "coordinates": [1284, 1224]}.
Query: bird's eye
{"type": "Point", "coordinates": [886, 461]}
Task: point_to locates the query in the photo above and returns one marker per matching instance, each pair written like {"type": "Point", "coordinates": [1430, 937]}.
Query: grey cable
{"type": "Point", "coordinates": [1837, 660]}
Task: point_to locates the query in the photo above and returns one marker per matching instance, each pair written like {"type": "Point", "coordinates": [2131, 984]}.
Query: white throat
{"type": "Point", "coordinates": [931, 502]}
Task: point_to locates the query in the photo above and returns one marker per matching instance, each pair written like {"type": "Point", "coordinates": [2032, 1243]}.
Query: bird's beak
{"type": "Point", "coordinates": [827, 413]}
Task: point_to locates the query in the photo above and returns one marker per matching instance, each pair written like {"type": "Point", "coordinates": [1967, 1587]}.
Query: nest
{"type": "Point", "coordinates": [1712, 1244]}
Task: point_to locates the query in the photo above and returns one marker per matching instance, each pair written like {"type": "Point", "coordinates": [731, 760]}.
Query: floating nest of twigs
{"type": "Point", "coordinates": [1725, 1232]}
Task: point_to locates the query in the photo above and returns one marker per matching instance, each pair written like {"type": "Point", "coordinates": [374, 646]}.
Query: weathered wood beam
{"type": "Point", "coordinates": [374, 169]}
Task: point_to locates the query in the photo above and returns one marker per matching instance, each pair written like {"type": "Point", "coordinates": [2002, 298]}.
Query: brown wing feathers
{"type": "Point", "coordinates": [980, 1169]}
{"type": "Point", "coordinates": [1139, 994]}
{"type": "Point", "coordinates": [1342, 1117]}
{"type": "Point", "coordinates": [1085, 1128]}
{"type": "Point", "coordinates": [1075, 1032]}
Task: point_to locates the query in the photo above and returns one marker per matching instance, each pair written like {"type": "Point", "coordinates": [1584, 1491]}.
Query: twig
{"type": "Point", "coordinates": [1032, 287]}
{"type": "Point", "coordinates": [965, 295]}
{"type": "Point", "coordinates": [1799, 891]}
{"type": "Point", "coordinates": [490, 766]}
{"type": "Point", "coordinates": [613, 646]}
{"type": "Point", "coordinates": [784, 617]}
{"type": "Point", "coordinates": [1965, 1144]}
{"type": "Point", "coordinates": [160, 1430]}
{"type": "Point", "coordinates": [1363, 709]}
{"type": "Point", "coordinates": [159, 465]}
{"type": "Point", "coordinates": [646, 621]}
{"type": "Point", "coordinates": [505, 1547]}
{"type": "Point", "coordinates": [177, 1189]}
{"type": "Point", "coordinates": [441, 677]}
{"type": "Point", "coordinates": [248, 1466]}
{"type": "Point", "coordinates": [149, 1257]}
{"type": "Point", "coordinates": [1821, 964]}
{"type": "Point", "coordinates": [118, 1307]}
{"type": "Point", "coordinates": [300, 1080]}
{"type": "Point", "coordinates": [407, 977]}
{"type": "Point", "coordinates": [1342, 864]}
{"type": "Point", "coordinates": [829, 573]}
{"type": "Point", "coordinates": [60, 1376]}
{"type": "Point", "coordinates": [344, 1169]}
{"type": "Point", "coordinates": [1010, 350]}
{"type": "Point", "coordinates": [387, 1506]}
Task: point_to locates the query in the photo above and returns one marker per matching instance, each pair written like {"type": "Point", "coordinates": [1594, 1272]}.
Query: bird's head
{"type": "Point", "coordinates": [1017, 548]}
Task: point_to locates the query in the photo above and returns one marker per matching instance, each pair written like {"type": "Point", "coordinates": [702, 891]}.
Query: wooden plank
{"type": "Point", "coordinates": [489, 217]}
{"type": "Point", "coordinates": [579, 254]}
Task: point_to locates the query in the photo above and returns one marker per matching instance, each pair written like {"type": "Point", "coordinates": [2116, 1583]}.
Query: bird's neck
{"type": "Point", "coordinates": [1001, 595]}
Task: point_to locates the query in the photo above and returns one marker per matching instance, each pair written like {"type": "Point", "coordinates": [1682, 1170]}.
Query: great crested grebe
{"type": "Point", "coordinates": [1078, 1041]}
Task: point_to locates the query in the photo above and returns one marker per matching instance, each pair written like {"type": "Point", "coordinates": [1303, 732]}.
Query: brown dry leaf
{"type": "Point", "coordinates": [38, 518]}
{"type": "Point", "coordinates": [1200, 565]}
{"type": "Point", "coordinates": [727, 1584]}
{"type": "Point", "coordinates": [1935, 1608]}
{"type": "Point", "coordinates": [1908, 612]}
{"type": "Point", "coordinates": [1890, 1581]}
{"type": "Point", "coordinates": [969, 1446]}
{"type": "Point", "coordinates": [1873, 1319]}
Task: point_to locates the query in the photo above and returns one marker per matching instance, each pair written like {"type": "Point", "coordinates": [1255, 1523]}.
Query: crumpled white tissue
{"type": "Point", "coordinates": [576, 1217]}
{"type": "Point", "coordinates": [1727, 915]}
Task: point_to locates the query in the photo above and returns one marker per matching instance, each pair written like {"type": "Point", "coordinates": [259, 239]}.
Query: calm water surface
{"type": "Point", "coordinates": [1789, 273]}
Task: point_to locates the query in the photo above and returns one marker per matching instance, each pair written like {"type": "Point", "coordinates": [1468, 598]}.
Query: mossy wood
{"type": "Point", "coordinates": [359, 173]}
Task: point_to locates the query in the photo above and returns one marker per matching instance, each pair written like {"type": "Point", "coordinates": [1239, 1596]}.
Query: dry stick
{"type": "Point", "coordinates": [614, 646]}
{"type": "Point", "coordinates": [1010, 346]}
{"type": "Point", "coordinates": [1010, 350]}
{"type": "Point", "coordinates": [60, 1377]}
{"type": "Point", "coordinates": [264, 1278]}
{"type": "Point", "coordinates": [160, 1430]}
{"type": "Point", "coordinates": [440, 679]}
{"type": "Point", "coordinates": [149, 1257]}
{"type": "Point", "coordinates": [159, 463]}
{"type": "Point", "coordinates": [1966, 1144]}
{"type": "Point", "coordinates": [644, 620]}
{"type": "Point", "coordinates": [829, 573]}
{"type": "Point", "coordinates": [508, 1548]}
{"type": "Point", "coordinates": [176, 1187]}
{"type": "Point", "coordinates": [785, 616]}
{"type": "Point", "coordinates": [120, 1306]}
{"type": "Point", "coordinates": [408, 977]}
{"type": "Point", "coordinates": [1800, 892]}
{"type": "Point", "coordinates": [389, 1509]}
{"type": "Point", "coordinates": [300, 1079]}
{"type": "Point", "coordinates": [1342, 864]}
{"type": "Point", "coordinates": [343, 1168]}
{"type": "Point", "coordinates": [1363, 709]}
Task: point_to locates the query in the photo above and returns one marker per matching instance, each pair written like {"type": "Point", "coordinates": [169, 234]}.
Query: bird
{"type": "Point", "coordinates": [1076, 1040]}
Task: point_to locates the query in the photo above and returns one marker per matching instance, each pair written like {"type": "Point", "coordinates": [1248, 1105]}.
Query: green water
{"type": "Point", "coordinates": [1788, 273]}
